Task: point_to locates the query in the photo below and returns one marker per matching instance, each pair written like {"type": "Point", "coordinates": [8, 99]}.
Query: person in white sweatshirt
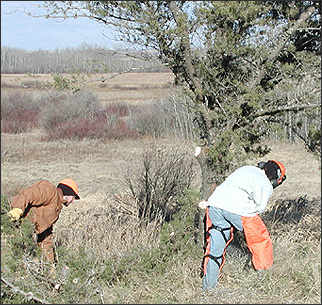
{"type": "Point", "coordinates": [237, 203]}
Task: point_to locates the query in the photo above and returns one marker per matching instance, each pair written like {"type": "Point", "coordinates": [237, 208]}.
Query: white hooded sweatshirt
{"type": "Point", "coordinates": [244, 192]}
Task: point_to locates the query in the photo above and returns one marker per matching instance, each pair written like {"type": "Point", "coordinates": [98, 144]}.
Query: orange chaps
{"type": "Point", "coordinates": [258, 241]}
{"type": "Point", "coordinates": [218, 235]}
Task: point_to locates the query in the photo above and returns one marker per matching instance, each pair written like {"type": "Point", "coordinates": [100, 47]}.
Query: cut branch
{"type": "Point", "coordinates": [29, 296]}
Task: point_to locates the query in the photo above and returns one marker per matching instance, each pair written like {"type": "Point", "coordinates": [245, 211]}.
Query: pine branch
{"type": "Point", "coordinates": [191, 78]}
{"type": "Point", "coordinates": [282, 42]}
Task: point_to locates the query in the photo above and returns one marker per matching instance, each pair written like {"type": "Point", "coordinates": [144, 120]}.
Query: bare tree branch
{"type": "Point", "coordinates": [276, 110]}
{"type": "Point", "coordinates": [305, 140]}
{"type": "Point", "coordinates": [195, 84]}
{"type": "Point", "coordinates": [29, 295]}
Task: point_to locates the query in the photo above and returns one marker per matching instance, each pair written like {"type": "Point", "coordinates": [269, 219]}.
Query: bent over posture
{"type": "Point", "coordinates": [41, 203]}
{"type": "Point", "coordinates": [237, 203]}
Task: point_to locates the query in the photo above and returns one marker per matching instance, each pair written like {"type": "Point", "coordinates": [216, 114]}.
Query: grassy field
{"type": "Point", "coordinates": [99, 168]}
{"type": "Point", "coordinates": [135, 88]}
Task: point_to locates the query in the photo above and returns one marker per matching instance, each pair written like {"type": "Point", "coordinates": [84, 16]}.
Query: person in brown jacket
{"type": "Point", "coordinates": [41, 203]}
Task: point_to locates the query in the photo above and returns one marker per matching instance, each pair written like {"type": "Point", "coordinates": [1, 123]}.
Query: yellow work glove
{"type": "Point", "coordinates": [202, 204]}
{"type": "Point", "coordinates": [14, 214]}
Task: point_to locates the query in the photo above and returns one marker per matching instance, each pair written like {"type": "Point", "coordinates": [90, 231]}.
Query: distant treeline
{"type": "Point", "coordinates": [83, 59]}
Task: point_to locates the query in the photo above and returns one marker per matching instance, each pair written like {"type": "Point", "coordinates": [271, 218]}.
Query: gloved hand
{"type": "Point", "coordinates": [14, 214]}
{"type": "Point", "coordinates": [202, 204]}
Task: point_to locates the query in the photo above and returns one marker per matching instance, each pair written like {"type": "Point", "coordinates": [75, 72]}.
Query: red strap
{"type": "Point", "coordinates": [207, 255]}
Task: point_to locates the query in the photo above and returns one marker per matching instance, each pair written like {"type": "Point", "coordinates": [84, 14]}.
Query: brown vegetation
{"type": "Point", "coordinates": [110, 236]}
{"type": "Point", "coordinates": [135, 88]}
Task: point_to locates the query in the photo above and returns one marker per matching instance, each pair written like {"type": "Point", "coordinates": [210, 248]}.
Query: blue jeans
{"type": "Point", "coordinates": [220, 219]}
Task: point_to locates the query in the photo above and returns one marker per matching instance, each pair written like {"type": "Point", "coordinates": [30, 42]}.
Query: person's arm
{"type": "Point", "coordinates": [261, 197]}
{"type": "Point", "coordinates": [21, 201]}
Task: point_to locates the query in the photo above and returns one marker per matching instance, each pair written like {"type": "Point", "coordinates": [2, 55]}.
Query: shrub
{"type": "Point", "coordinates": [61, 107]}
{"type": "Point", "coordinates": [165, 117]}
{"type": "Point", "coordinates": [35, 84]}
{"type": "Point", "coordinates": [160, 266]}
{"type": "Point", "coordinates": [120, 109]}
{"type": "Point", "coordinates": [19, 238]}
{"type": "Point", "coordinates": [180, 233]}
{"type": "Point", "coordinates": [95, 128]}
{"type": "Point", "coordinates": [14, 100]}
{"type": "Point", "coordinates": [78, 129]}
{"type": "Point", "coordinates": [292, 213]}
{"type": "Point", "coordinates": [149, 121]}
{"type": "Point", "coordinates": [79, 116]}
{"type": "Point", "coordinates": [19, 121]}
{"type": "Point", "coordinates": [163, 177]}
{"type": "Point", "coordinates": [120, 131]}
{"type": "Point", "coordinates": [19, 112]}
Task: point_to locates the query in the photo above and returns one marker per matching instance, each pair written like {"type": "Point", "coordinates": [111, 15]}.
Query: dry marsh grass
{"type": "Point", "coordinates": [99, 224]}
{"type": "Point", "coordinates": [132, 88]}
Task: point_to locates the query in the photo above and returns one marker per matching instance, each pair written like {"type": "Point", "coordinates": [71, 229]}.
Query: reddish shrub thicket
{"type": "Point", "coordinates": [95, 128]}
{"type": "Point", "coordinates": [120, 109]}
{"type": "Point", "coordinates": [80, 116]}
{"type": "Point", "coordinates": [120, 131]}
{"type": "Point", "coordinates": [19, 120]}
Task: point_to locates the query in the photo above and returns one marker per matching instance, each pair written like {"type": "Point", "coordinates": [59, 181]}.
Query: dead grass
{"type": "Point", "coordinates": [132, 88]}
{"type": "Point", "coordinates": [90, 219]}
{"type": "Point", "coordinates": [99, 167]}
{"type": "Point", "coordinates": [303, 170]}
{"type": "Point", "coordinates": [94, 221]}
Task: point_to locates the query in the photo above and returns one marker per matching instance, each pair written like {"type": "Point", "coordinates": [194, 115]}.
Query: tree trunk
{"type": "Point", "coordinates": [207, 187]}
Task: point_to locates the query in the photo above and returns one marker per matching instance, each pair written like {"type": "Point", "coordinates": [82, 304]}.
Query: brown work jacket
{"type": "Point", "coordinates": [41, 203]}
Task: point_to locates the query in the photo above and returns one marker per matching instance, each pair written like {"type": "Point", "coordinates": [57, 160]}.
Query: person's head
{"type": "Point", "coordinates": [274, 170]}
{"type": "Point", "coordinates": [70, 190]}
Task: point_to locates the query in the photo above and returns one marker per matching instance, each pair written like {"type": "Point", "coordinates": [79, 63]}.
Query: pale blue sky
{"type": "Point", "coordinates": [22, 31]}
